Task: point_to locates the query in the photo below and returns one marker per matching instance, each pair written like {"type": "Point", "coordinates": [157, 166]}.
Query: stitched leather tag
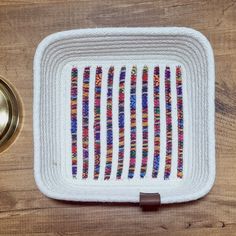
{"type": "Point", "coordinates": [149, 201]}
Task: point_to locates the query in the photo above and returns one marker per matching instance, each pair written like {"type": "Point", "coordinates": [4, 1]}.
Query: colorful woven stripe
{"type": "Point", "coordinates": [144, 121]}
{"type": "Point", "coordinates": [132, 122]}
{"type": "Point", "coordinates": [97, 126]}
{"type": "Point", "coordinates": [168, 123]}
{"type": "Point", "coordinates": [85, 121]}
{"type": "Point", "coordinates": [121, 122]}
{"type": "Point", "coordinates": [156, 85]}
{"type": "Point", "coordinates": [74, 81]}
{"type": "Point", "coordinates": [109, 123]}
{"type": "Point", "coordinates": [180, 121]}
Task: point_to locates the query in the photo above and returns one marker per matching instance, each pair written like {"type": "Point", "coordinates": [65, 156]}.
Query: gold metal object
{"type": "Point", "coordinates": [10, 108]}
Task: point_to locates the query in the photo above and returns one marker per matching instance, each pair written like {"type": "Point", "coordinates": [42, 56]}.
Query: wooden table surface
{"type": "Point", "coordinates": [24, 210]}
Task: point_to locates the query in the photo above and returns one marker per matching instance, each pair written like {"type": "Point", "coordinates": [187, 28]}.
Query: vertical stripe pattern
{"type": "Point", "coordinates": [109, 123]}
{"type": "Point", "coordinates": [132, 122]}
{"type": "Point", "coordinates": [180, 121]}
{"type": "Point", "coordinates": [144, 121]}
{"type": "Point", "coordinates": [156, 90]}
{"type": "Point", "coordinates": [74, 81]}
{"type": "Point", "coordinates": [97, 125]}
{"type": "Point", "coordinates": [121, 121]}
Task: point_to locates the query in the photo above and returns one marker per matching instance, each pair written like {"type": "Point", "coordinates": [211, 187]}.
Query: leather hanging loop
{"type": "Point", "coordinates": [149, 201]}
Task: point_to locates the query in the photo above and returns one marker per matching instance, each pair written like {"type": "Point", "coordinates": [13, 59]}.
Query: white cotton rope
{"type": "Point", "coordinates": [72, 163]}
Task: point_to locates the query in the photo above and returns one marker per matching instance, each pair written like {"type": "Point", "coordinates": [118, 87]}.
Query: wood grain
{"type": "Point", "coordinates": [24, 210]}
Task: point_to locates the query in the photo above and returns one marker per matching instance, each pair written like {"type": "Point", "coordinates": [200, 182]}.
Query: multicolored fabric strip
{"type": "Point", "coordinates": [156, 95]}
{"type": "Point", "coordinates": [97, 118]}
{"type": "Point", "coordinates": [121, 122]}
{"type": "Point", "coordinates": [85, 121]}
{"type": "Point", "coordinates": [180, 121]}
{"type": "Point", "coordinates": [168, 124]}
{"type": "Point", "coordinates": [109, 123]}
{"type": "Point", "coordinates": [74, 84]}
{"type": "Point", "coordinates": [132, 122]}
{"type": "Point", "coordinates": [144, 120]}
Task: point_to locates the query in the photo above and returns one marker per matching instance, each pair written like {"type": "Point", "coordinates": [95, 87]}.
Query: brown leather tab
{"type": "Point", "coordinates": [149, 201]}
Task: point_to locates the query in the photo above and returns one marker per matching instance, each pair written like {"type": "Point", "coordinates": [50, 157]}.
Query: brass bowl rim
{"type": "Point", "coordinates": [15, 116]}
